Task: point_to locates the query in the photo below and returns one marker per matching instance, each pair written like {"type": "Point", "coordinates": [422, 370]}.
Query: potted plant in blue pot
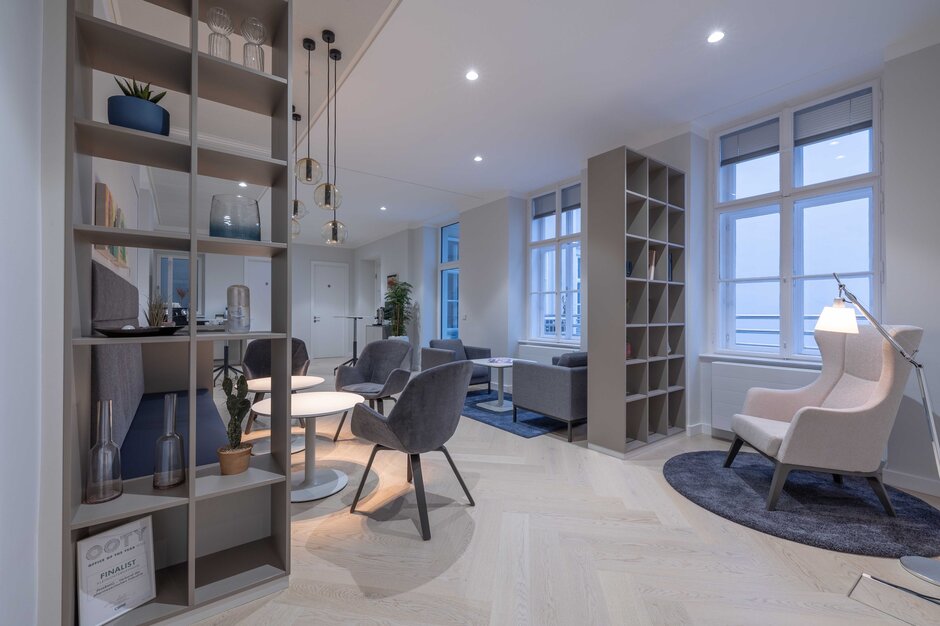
{"type": "Point", "coordinates": [138, 109]}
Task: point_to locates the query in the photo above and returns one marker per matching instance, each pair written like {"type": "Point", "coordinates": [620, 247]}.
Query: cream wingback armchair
{"type": "Point", "coordinates": [840, 423]}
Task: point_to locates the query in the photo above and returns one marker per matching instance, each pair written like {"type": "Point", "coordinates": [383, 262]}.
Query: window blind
{"type": "Point", "coordinates": [543, 206]}
{"type": "Point", "coordinates": [571, 198]}
{"type": "Point", "coordinates": [750, 143]}
{"type": "Point", "coordinates": [847, 114]}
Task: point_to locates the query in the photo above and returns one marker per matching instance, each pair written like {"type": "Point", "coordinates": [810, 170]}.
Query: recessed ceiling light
{"type": "Point", "coordinates": [478, 158]}
{"type": "Point", "coordinates": [834, 142]}
{"type": "Point", "coordinates": [472, 75]}
{"type": "Point", "coordinates": [841, 156]}
{"type": "Point", "coordinates": [716, 36]}
{"type": "Point", "coordinates": [382, 208]}
{"type": "Point", "coordinates": [243, 184]}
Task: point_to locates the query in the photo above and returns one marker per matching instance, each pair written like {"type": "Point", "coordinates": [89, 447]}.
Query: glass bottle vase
{"type": "Point", "coordinates": [254, 33]}
{"type": "Point", "coordinates": [168, 464]}
{"type": "Point", "coordinates": [103, 475]}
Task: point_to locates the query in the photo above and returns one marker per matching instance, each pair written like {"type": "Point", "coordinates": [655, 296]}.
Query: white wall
{"type": "Point", "coordinates": [911, 181]}
{"type": "Point", "coordinates": [20, 253]}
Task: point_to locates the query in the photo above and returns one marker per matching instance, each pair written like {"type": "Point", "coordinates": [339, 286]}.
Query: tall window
{"type": "Point", "coordinates": [554, 307]}
{"type": "Point", "coordinates": [796, 201]}
{"type": "Point", "coordinates": [173, 280]}
{"type": "Point", "coordinates": [450, 280]}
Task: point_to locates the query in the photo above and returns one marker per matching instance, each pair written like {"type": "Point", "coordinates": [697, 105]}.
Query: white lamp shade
{"type": "Point", "coordinates": [838, 318]}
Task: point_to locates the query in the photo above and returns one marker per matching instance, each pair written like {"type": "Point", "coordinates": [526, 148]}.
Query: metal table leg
{"type": "Point", "coordinates": [312, 483]}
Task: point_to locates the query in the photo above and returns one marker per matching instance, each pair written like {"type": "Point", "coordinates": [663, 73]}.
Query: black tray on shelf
{"type": "Point", "coordinates": [146, 331]}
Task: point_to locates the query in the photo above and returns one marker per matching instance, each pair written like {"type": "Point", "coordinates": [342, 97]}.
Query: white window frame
{"type": "Point", "coordinates": [557, 242]}
{"type": "Point", "coordinates": [172, 255]}
{"type": "Point", "coordinates": [441, 266]}
{"type": "Point", "coordinates": [786, 198]}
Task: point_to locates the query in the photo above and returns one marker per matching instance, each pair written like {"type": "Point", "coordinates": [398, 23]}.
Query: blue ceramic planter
{"type": "Point", "coordinates": [138, 114]}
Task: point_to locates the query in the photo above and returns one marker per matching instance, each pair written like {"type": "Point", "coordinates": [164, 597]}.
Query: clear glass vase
{"type": "Point", "coordinates": [168, 465]}
{"type": "Point", "coordinates": [254, 33]}
{"type": "Point", "coordinates": [220, 23]}
{"type": "Point", "coordinates": [235, 216]}
{"type": "Point", "coordinates": [103, 475]}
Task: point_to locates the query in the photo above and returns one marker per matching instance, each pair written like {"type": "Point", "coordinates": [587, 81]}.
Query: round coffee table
{"type": "Point", "coordinates": [261, 386]}
{"type": "Point", "coordinates": [313, 484]}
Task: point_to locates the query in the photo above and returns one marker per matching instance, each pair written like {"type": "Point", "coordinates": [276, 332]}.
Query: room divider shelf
{"type": "Point", "coordinates": [646, 199]}
{"type": "Point", "coordinates": [199, 558]}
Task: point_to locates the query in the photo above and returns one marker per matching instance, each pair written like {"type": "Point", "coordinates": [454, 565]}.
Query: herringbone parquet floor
{"type": "Point", "coordinates": [559, 535]}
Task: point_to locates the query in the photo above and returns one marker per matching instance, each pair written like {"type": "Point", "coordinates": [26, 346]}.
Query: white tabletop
{"type": "Point", "coordinates": [501, 364]}
{"type": "Point", "coordinates": [313, 404]}
{"type": "Point", "coordinates": [263, 385]}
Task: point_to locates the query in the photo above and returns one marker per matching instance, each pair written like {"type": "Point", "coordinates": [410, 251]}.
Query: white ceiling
{"type": "Point", "coordinates": [559, 82]}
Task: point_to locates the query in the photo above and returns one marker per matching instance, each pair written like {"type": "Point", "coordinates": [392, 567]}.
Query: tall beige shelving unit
{"type": "Point", "coordinates": [215, 536]}
{"type": "Point", "coordinates": [637, 206]}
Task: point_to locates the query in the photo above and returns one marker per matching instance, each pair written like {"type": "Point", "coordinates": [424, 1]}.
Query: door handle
{"type": "Point", "coordinates": [316, 318]}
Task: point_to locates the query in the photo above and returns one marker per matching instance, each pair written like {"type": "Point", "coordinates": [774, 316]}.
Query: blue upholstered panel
{"type": "Point", "coordinates": [138, 448]}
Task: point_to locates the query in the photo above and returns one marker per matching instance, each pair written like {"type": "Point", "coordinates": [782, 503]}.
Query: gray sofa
{"type": "Point", "coordinates": [449, 350]}
{"type": "Point", "coordinates": [558, 391]}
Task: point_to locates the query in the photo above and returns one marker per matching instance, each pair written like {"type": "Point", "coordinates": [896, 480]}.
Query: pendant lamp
{"type": "Point", "coordinates": [327, 195]}
{"type": "Point", "coordinates": [308, 170]}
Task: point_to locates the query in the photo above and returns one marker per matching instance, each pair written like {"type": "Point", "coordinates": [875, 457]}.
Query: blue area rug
{"type": "Point", "coordinates": [813, 509]}
{"type": "Point", "coordinates": [529, 424]}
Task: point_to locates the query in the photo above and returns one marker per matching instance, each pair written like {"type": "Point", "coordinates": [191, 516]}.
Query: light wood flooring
{"type": "Point", "coordinates": [559, 535]}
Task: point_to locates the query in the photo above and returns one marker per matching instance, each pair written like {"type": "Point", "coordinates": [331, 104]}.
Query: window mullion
{"type": "Point", "coordinates": [788, 238]}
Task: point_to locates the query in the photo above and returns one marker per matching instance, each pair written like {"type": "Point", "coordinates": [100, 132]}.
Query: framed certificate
{"type": "Point", "coordinates": [115, 572]}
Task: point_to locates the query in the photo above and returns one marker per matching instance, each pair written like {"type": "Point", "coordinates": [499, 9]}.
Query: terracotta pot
{"type": "Point", "coordinates": [234, 461]}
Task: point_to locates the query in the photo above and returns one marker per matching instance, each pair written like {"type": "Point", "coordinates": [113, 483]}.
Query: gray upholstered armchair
{"type": "Point", "coordinates": [423, 420]}
{"type": "Point", "coordinates": [449, 350]}
{"type": "Point", "coordinates": [376, 375]}
{"type": "Point", "coordinates": [558, 390]}
{"type": "Point", "coordinates": [257, 364]}
{"type": "Point", "coordinates": [838, 424]}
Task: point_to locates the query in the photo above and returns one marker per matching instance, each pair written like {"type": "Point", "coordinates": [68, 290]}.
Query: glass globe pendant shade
{"type": "Point", "coordinates": [308, 171]}
{"type": "Point", "coordinates": [294, 228]}
{"type": "Point", "coordinates": [334, 233]}
{"type": "Point", "coordinates": [327, 197]}
{"type": "Point", "coordinates": [300, 210]}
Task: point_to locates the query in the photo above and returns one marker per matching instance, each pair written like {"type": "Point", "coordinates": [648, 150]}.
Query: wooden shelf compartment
{"type": "Point", "coordinates": [658, 345]}
{"type": "Point", "coordinates": [659, 271]}
{"type": "Point", "coordinates": [676, 190]}
{"type": "Point", "coordinates": [239, 247]}
{"type": "Point", "coordinates": [677, 228]}
{"type": "Point", "coordinates": [639, 342]}
{"type": "Point", "coordinates": [659, 415]}
{"type": "Point", "coordinates": [139, 498]}
{"type": "Point", "coordinates": [132, 238]}
{"type": "Point", "coordinates": [637, 174]}
{"type": "Point", "coordinates": [658, 181]}
{"type": "Point", "coordinates": [637, 216]}
{"type": "Point", "coordinates": [236, 569]}
{"type": "Point", "coordinates": [131, 146]}
{"type": "Point", "coordinates": [235, 85]}
{"type": "Point", "coordinates": [221, 335]}
{"type": "Point", "coordinates": [172, 598]}
{"type": "Point", "coordinates": [657, 303]}
{"type": "Point", "coordinates": [637, 259]}
{"type": "Point", "coordinates": [637, 379]}
{"type": "Point", "coordinates": [270, 12]}
{"type": "Point", "coordinates": [676, 373]}
{"type": "Point", "coordinates": [104, 341]}
{"type": "Point", "coordinates": [636, 302]}
{"type": "Point", "coordinates": [659, 222]}
{"type": "Point", "coordinates": [676, 411]}
{"type": "Point", "coordinates": [675, 258]}
{"type": "Point", "coordinates": [637, 421]}
{"type": "Point", "coordinates": [676, 310]}
{"type": "Point", "coordinates": [658, 376]}
{"type": "Point", "coordinates": [677, 340]}
{"type": "Point", "coordinates": [109, 47]}
{"type": "Point", "coordinates": [262, 471]}
{"type": "Point", "coordinates": [229, 165]}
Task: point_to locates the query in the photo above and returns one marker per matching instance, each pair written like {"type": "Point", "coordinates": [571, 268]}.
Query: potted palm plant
{"type": "Point", "coordinates": [138, 109]}
{"type": "Point", "coordinates": [233, 459]}
{"type": "Point", "coordinates": [398, 308]}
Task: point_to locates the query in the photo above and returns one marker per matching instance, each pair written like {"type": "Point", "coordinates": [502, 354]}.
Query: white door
{"type": "Point", "coordinates": [258, 281]}
{"type": "Point", "coordinates": [330, 334]}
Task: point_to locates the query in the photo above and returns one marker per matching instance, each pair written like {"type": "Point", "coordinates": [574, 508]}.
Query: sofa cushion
{"type": "Point", "coordinates": [572, 359]}
{"type": "Point", "coordinates": [764, 434]}
{"type": "Point", "coordinates": [451, 344]}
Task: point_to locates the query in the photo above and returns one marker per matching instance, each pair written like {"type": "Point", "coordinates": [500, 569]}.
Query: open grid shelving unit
{"type": "Point", "coordinates": [636, 300]}
{"type": "Point", "coordinates": [214, 536]}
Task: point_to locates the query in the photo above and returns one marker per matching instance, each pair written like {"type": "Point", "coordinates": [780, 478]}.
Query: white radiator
{"type": "Point", "coordinates": [730, 382]}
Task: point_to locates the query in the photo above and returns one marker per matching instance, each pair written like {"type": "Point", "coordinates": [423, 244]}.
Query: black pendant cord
{"type": "Point", "coordinates": [296, 119]}
{"type": "Point", "coordinates": [335, 118]}
{"type": "Point", "coordinates": [309, 54]}
{"type": "Point", "coordinates": [329, 194]}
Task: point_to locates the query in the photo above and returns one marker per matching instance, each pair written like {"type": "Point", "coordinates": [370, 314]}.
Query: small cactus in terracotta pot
{"type": "Point", "coordinates": [234, 458]}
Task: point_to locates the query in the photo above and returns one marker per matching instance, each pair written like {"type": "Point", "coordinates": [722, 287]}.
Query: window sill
{"type": "Point", "coordinates": [752, 359]}
{"type": "Point", "coordinates": [550, 344]}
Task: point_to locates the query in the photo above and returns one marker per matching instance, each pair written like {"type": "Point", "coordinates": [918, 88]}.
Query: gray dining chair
{"type": "Point", "coordinates": [423, 420]}
{"type": "Point", "coordinates": [376, 375]}
{"type": "Point", "coordinates": [256, 363]}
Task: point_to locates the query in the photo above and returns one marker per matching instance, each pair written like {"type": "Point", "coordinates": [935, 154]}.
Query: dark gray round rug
{"type": "Point", "coordinates": [812, 510]}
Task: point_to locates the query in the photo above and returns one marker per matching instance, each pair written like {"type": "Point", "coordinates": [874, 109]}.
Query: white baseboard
{"type": "Point", "coordinates": [607, 451]}
{"type": "Point", "coordinates": [698, 429]}
{"type": "Point", "coordinates": [912, 482]}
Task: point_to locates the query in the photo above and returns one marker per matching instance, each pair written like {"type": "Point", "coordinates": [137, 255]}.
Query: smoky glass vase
{"type": "Point", "coordinates": [168, 469]}
{"type": "Point", "coordinates": [103, 477]}
{"type": "Point", "coordinates": [236, 217]}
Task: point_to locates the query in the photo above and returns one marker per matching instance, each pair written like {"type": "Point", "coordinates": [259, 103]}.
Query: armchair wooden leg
{"type": "Point", "coordinates": [515, 415]}
{"type": "Point", "coordinates": [409, 477]}
{"type": "Point", "coordinates": [342, 421]}
{"type": "Point", "coordinates": [415, 460]}
{"type": "Point", "coordinates": [457, 474]}
{"type": "Point", "coordinates": [252, 416]}
{"type": "Point", "coordinates": [489, 386]}
{"type": "Point", "coordinates": [879, 488]}
{"type": "Point", "coordinates": [569, 432]}
{"type": "Point", "coordinates": [776, 485]}
{"type": "Point", "coordinates": [381, 406]}
{"type": "Point", "coordinates": [365, 476]}
{"type": "Point", "coordinates": [733, 451]}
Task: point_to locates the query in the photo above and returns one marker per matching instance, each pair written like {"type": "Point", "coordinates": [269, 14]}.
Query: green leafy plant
{"type": "Point", "coordinates": [238, 405]}
{"type": "Point", "coordinates": [136, 90]}
{"type": "Point", "coordinates": [398, 306]}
